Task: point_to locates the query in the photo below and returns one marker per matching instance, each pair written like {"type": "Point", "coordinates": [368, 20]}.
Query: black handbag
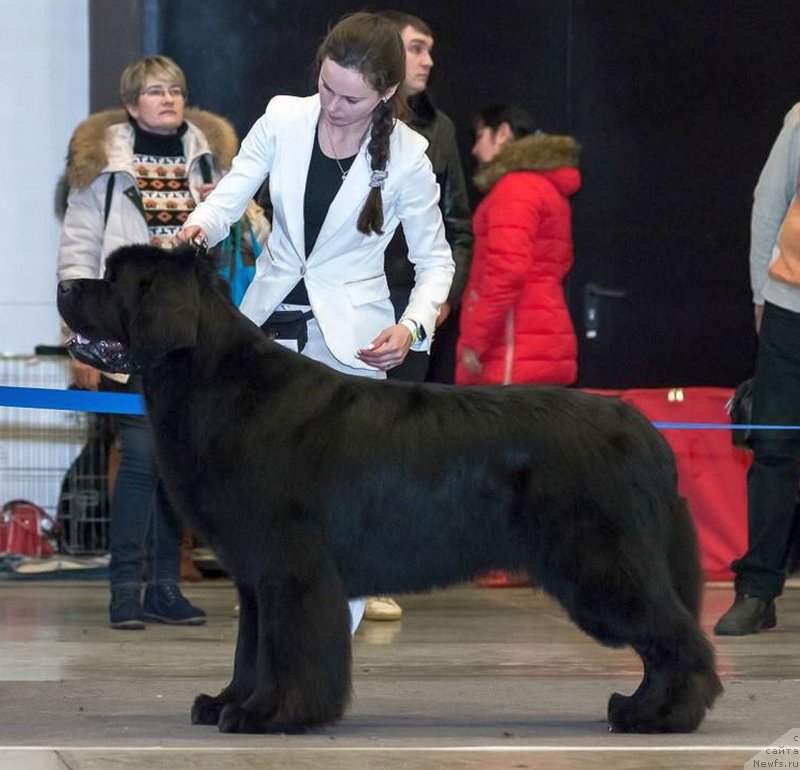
{"type": "Point", "coordinates": [740, 408]}
{"type": "Point", "coordinates": [288, 325]}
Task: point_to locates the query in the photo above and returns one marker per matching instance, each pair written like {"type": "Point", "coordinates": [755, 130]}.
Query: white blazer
{"type": "Point", "coordinates": [344, 273]}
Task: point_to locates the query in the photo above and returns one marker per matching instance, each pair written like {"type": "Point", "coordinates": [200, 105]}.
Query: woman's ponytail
{"type": "Point", "coordinates": [370, 220]}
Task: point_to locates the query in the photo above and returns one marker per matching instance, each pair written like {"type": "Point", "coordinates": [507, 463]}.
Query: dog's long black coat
{"type": "Point", "coordinates": [313, 486]}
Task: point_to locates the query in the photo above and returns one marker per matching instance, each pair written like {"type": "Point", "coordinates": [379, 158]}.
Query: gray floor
{"type": "Point", "coordinates": [470, 678]}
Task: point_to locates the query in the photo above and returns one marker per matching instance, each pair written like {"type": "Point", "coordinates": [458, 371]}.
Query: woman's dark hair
{"type": "Point", "coordinates": [371, 45]}
{"type": "Point", "coordinates": [519, 120]}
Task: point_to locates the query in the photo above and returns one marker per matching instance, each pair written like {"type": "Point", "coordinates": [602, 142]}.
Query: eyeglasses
{"type": "Point", "coordinates": [158, 92]}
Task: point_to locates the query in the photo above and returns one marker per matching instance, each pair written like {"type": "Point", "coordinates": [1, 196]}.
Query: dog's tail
{"type": "Point", "coordinates": [684, 558]}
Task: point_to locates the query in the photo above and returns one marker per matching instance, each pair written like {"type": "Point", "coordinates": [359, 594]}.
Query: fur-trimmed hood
{"type": "Point", "coordinates": [537, 152]}
{"type": "Point", "coordinates": [88, 149]}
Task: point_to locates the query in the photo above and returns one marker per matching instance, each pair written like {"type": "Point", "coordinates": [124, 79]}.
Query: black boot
{"type": "Point", "coordinates": [164, 603]}
{"type": "Point", "coordinates": [748, 615]}
{"type": "Point", "coordinates": [125, 610]}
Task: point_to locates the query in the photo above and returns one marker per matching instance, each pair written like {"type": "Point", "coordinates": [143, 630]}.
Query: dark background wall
{"type": "Point", "coordinates": [675, 104]}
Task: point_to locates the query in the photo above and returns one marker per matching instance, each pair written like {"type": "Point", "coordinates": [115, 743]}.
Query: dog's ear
{"type": "Point", "coordinates": [166, 315]}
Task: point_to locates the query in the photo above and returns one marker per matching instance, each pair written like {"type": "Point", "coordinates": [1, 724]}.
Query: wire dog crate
{"type": "Point", "coordinates": [56, 459]}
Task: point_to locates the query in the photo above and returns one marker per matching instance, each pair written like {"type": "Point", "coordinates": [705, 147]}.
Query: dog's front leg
{"type": "Point", "coordinates": [207, 708]}
{"type": "Point", "coordinates": [303, 663]}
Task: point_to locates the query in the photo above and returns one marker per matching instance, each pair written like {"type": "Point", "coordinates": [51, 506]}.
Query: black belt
{"type": "Point", "coordinates": [289, 325]}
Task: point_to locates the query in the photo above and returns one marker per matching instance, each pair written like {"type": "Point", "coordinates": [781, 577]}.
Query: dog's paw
{"type": "Point", "coordinates": [637, 714]}
{"type": "Point", "coordinates": [648, 715]}
{"type": "Point", "coordinates": [622, 715]}
{"type": "Point", "coordinates": [238, 719]}
{"type": "Point", "coordinates": [206, 710]}
{"type": "Point", "coordinates": [676, 709]}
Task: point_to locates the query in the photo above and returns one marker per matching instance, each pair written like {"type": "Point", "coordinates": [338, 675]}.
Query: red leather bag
{"type": "Point", "coordinates": [24, 529]}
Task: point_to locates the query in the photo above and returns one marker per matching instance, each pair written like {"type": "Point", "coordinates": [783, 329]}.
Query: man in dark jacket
{"type": "Point", "coordinates": [438, 129]}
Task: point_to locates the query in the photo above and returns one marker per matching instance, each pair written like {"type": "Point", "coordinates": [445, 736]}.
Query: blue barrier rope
{"type": "Point", "coordinates": [72, 400]}
{"type": "Point", "coordinates": [131, 403]}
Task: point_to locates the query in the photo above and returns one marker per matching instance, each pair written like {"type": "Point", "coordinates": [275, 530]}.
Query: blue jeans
{"type": "Point", "coordinates": [142, 525]}
{"type": "Point", "coordinates": [772, 482]}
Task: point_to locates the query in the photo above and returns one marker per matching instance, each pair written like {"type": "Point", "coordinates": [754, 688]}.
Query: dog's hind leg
{"type": "Point", "coordinates": [621, 593]}
{"type": "Point", "coordinates": [680, 683]}
{"type": "Point", "coordinates": [303, 666]}
{"type": "Point", "coordinates": [680, 680]}
{"type": "Point", "coordinates": [207, 708]}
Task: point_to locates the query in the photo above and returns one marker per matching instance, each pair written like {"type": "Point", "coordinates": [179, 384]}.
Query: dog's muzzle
{"type": "Point", "coordinates": [108, 356]}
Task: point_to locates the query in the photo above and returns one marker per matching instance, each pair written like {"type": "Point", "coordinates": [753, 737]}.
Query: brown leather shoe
{"type": "Point", "coordinates": [748, 615]}
{"type": "Point", "coordinates": [188, 569]}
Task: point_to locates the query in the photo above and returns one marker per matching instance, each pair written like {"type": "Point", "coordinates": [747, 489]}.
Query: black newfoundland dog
{"type": "Point", "coordinates": [313, 486]}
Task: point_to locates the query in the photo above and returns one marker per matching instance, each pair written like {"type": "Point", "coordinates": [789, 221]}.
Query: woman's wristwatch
{"type": "Point", "coordinates": [417, 330]}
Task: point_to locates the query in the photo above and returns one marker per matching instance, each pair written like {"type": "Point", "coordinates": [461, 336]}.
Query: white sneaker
{"type": "Point", "coordinates": [382, 608]}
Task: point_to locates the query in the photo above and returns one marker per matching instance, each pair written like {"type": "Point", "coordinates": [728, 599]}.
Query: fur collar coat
{"type": "Point", "coordinates": [514, 315]}
{"type": "Point", "coordinates": [103, 207]}
{"type": "Point", "coordinates": [89, 147]}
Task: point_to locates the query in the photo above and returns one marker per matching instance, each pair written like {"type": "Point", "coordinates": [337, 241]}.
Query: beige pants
{"type": "Point", "coordinates": [317, 349]}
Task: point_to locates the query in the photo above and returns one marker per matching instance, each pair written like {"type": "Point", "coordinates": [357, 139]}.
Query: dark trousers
{"type": "Point", "coordinates": [415, 366]}
{"type": "Point", "coordinates": [442, 367]}
{"type": "Point", "coordinates": [772, 481]}
{"type": "Point", "coordinates": [143, 528]}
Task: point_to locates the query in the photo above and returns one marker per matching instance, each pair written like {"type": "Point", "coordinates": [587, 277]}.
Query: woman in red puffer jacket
{"type": "Point", "coordinates": [515, 326]}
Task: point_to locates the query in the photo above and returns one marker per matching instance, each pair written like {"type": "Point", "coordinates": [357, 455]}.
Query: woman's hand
{"type": "Point", "coordinates": [84, 376]}
{"type": "Point", "coordinates": [470, 361]}
{"type": "Point", "coordinates": [193, 234]}
{"type": "Point", "coordinates": [388, 349]}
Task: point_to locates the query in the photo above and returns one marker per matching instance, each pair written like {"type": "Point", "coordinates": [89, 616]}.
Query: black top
{"type": "Point", "coordinates": [322, 185]}
{"type": "Point", "coordinates": [147, 143]}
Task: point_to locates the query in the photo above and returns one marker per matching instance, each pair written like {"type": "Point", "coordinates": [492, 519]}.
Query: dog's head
{"type": "Point", "coordinates": [148, 300]}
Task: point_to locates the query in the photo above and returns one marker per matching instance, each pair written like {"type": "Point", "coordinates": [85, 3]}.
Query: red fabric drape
{"type": "Point", "coordinates": [712, 472]}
